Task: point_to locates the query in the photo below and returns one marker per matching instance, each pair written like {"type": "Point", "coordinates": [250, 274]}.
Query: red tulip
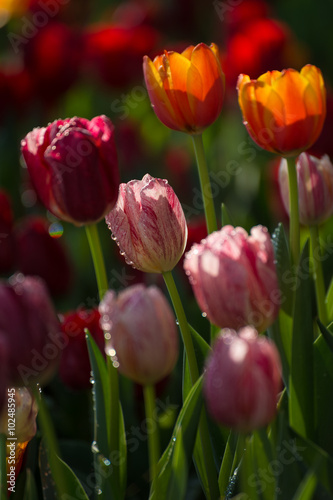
{"type": "Point", "coordinates": [242, 380]}
{"type": "Point", "coordinates": [7, 244]}
{"type": "Point", "coordinates": [73, 167]}
{"type": "Point", "coordinates": [74, 369]}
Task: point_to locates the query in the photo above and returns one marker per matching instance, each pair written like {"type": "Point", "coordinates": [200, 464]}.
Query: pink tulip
{"type": "Point", "coordinates": [315, 188]}
{"type": "Point", "coordinates": [149, 225]}
{"type": "Point", "coordinates": [234, 279]}
{"type": "Point", "coordinates": [141, 332]}
{"type": "Point", "coordinates": [242, 380]}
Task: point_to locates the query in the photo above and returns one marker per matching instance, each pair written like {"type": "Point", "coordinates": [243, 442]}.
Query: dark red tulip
{"type": "Point", "coordinates": [7, 245]}
{"type": "Point", "coordinates": [39, 254]}
{"type": "Point", "coordinates": [30, 329]}
{"type": "Point", "coordinates": [74, 367]}
{"type": "Point", "coordinates": [74, 169]}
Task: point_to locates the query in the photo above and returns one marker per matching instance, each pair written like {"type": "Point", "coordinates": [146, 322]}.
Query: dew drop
{"type": "Point", "coordinates": [106, 462]}
{"type": "Point", "coordinates": [177, 322]}
{"type": "Point", "coordinates": [94, 447]}
{"type": "Point", "coordinates": [204, 315]}
{"type": "Point", "coordinates": [92, 380]}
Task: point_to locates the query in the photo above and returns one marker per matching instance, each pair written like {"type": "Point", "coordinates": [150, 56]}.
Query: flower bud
{"type": "Point", "coordinates": [149, 225]}
{"type": "Point", "coordinates": [242, 380]}
{"type": "Point", "coordinates": [140, 332]}
{"type": "Point", "coordinates": [73, 167]}
{"type": "Point", "coordinates": [234, 279]}
{"type": "Point", "coordinates": [30, 329]}
{"type": "Point", "coordinates": [315, 188]}
{"type": "Point", "coordinates": [74, 368]}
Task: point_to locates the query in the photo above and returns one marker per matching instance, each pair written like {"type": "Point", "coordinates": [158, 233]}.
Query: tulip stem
{"type": "Point", "coordinates": [98, 260]}
{"type": "Point", "coordinates": [153, 435]}
{"type": "Point", "coordinates": [205, 441]}
{"type": "Point", "coordinates": [318, 274]}
{"type": "Point", "coordinates": [183, 325]}
{"type": "Point", "coordinates": [294, 231]}
{"type": "Point", "coordinates": [206, 189]}
{"type": "Point", "coordinates": [3, 468]}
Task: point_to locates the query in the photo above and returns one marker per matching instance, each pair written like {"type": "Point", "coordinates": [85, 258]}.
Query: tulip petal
{"type": "Point", "coordinates": [158, 96]}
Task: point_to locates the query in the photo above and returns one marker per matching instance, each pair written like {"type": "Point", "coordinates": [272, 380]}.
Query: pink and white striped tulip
{"type": "Point", "coordinates": [315, 188]}
{"type": "Point", "coordinates": [234, 279]}
{"type": "Point", "coordinates": [149, 225]}
{"type": "Point", "coordinates": [242, 380]}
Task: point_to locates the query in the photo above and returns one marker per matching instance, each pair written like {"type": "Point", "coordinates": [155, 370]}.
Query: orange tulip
{"type": "Point", "coordinates": [186, 90]}
{"type": "Point", "coordinates": [284, 112]}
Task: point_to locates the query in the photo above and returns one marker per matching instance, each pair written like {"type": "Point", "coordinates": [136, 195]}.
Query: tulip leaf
{"type": "Point", "coordinates": [284, 270]}
{"type": "Point", "coordinates": [328, 336]}
{"type": "Point", "coordinates": [225, 216]}
{"type": "Point", "coordinates": [30, 491]}
{"type": "Point", "coordinates": [281, 333]}
{"type": "Point", "coordinates": [301, 385]}
{"type": "Point", "coordinates": [329, 301]}
{"type": "Point", "coordinates": [307, 487]}
{"type": "Point", "coordinates": [323, 362]}
{"type": "Point", "coordinates": [179, 455]}
{"type": "Point", "coordinates": [73, 489]}
{"type": "Point", "coordinates": [102, 423]}
{"type": "Point", "coordinates": [201, 349]}
{"type": "Point", "coordinates": [229, 464]}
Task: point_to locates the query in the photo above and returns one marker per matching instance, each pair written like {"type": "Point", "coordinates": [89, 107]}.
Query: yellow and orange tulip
{"type": "Point", "coordinates": [284, 112]}
{"type": "Point", "coordinates": [186, 90]}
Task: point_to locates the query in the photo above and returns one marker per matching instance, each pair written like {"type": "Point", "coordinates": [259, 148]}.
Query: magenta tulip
{"type": "Point", "coordinates": [74, 169]}
{"type": "Point", "coordinates": [141, 332]}
{"type": "Point", "coordinates": [315, 188]}
{"type": "Point", "coordinates": [234, 279]}
{"type": "Point", "coordinates": [242, 380]}
{"type": "Point", "coordinates": [149, 225]}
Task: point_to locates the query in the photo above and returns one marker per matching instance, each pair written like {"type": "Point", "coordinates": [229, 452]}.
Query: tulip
{"type": "Point", "coordinates": [73, 167]}
{"type": "Point", "coordinates": [140, 332]}
{"type": "Point", "coordinates": [284, 112]}
{"type": "Point", "coordinates": [30, 329]}
{"type": "Point", "coordinates": [234, 279]}
{"type": "Point", "coordinates": [149, 225]}
{"type": "Point", "coordinates": [186, 90]}
{"type": "Point", "coordinates": [74, 368]}
{"type": "Point", "coordinates": [242, 380]}
{"type": "Point", "coordinates": [3, 372]}
{"type": "Point", "coordinates": [39, 254]}
{"type": "Point", "coordinates": [315, 188]}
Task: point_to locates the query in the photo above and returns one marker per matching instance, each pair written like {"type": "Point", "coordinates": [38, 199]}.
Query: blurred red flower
{"type": "Point", "coordinates": [7, 244]}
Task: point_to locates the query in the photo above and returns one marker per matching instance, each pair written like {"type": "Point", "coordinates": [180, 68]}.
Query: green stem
{"type": "Point", "coordinates": [294, 231]}
{"type": "Point", "coordinates": [51, 444]}
{"type": "Point", "coordinates": [318, 274]}
{"type": "Point", "coordinates": [102, 283]}
{"type": "Point", "coordinates": [183, 325]}
{"type": "Point", "coordinates": [98, 260]}
{"type": "Point", "coordinates": [205, 185]}
{"type": "Point", "coordinates": [3, 468]}
{"type": "Point", "coordinates": [194, 374]}
{"type": "Point", "coordinates": [153, 436]}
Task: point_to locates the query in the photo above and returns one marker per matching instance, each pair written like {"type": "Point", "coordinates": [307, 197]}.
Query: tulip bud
{"type": "Point", "coordinates": [242, 380]}
{"type": "Point", "coordinates": [149, 225]}
{"type": "Point", "coordinates": [39, 254]}
{"type": "Point", "coordinates": [234, 279]}
{"type": "Point", "coordinates": [73, 167]}
{"type": "Point", "coordinates": [141, 332]}
{"type": "Point", "coordinates": [31, 330]}
{"type": "Point", "coordinates": [315, 188]}
{"type": "Point", "coordinates": [74, 369]}
{"type": "Point", "coordinates": [186, 90]}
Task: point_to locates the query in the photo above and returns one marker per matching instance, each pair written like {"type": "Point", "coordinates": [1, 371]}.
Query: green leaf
{"type": "Point", "coordinates": [122, 454]}
{"type": "Point", "coordinates": [281, 333]}
{"type": "Point", "coordinates": [263, 455]}
{"type": "Point", "coordinates": [283, 267]}
{"type": "Point", "coordinates": [101, 394]}
{"type": "Point", "coordinates": [201, 349]}
{"type": "Point", "coordinates": [185, 428]}
{"type": "Point", "coordinates": [225, 216]}
{"type": "Point", "coordinates": [328, 336]}
{"type": "Point", "coordinates": [30, 491]}
{"type": "Point", "coordinates": [308, 485]}
{"type": "Point", "coordinates": [323, 359]}
{"type": "Point", "coordinates": [301, 384]}
{"type": "Point", "coordinates": [73, 489]}
{"type": "Point", "coordinates": [329, 301]}
{"type": "Point", "coordinates": [229, 463]}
